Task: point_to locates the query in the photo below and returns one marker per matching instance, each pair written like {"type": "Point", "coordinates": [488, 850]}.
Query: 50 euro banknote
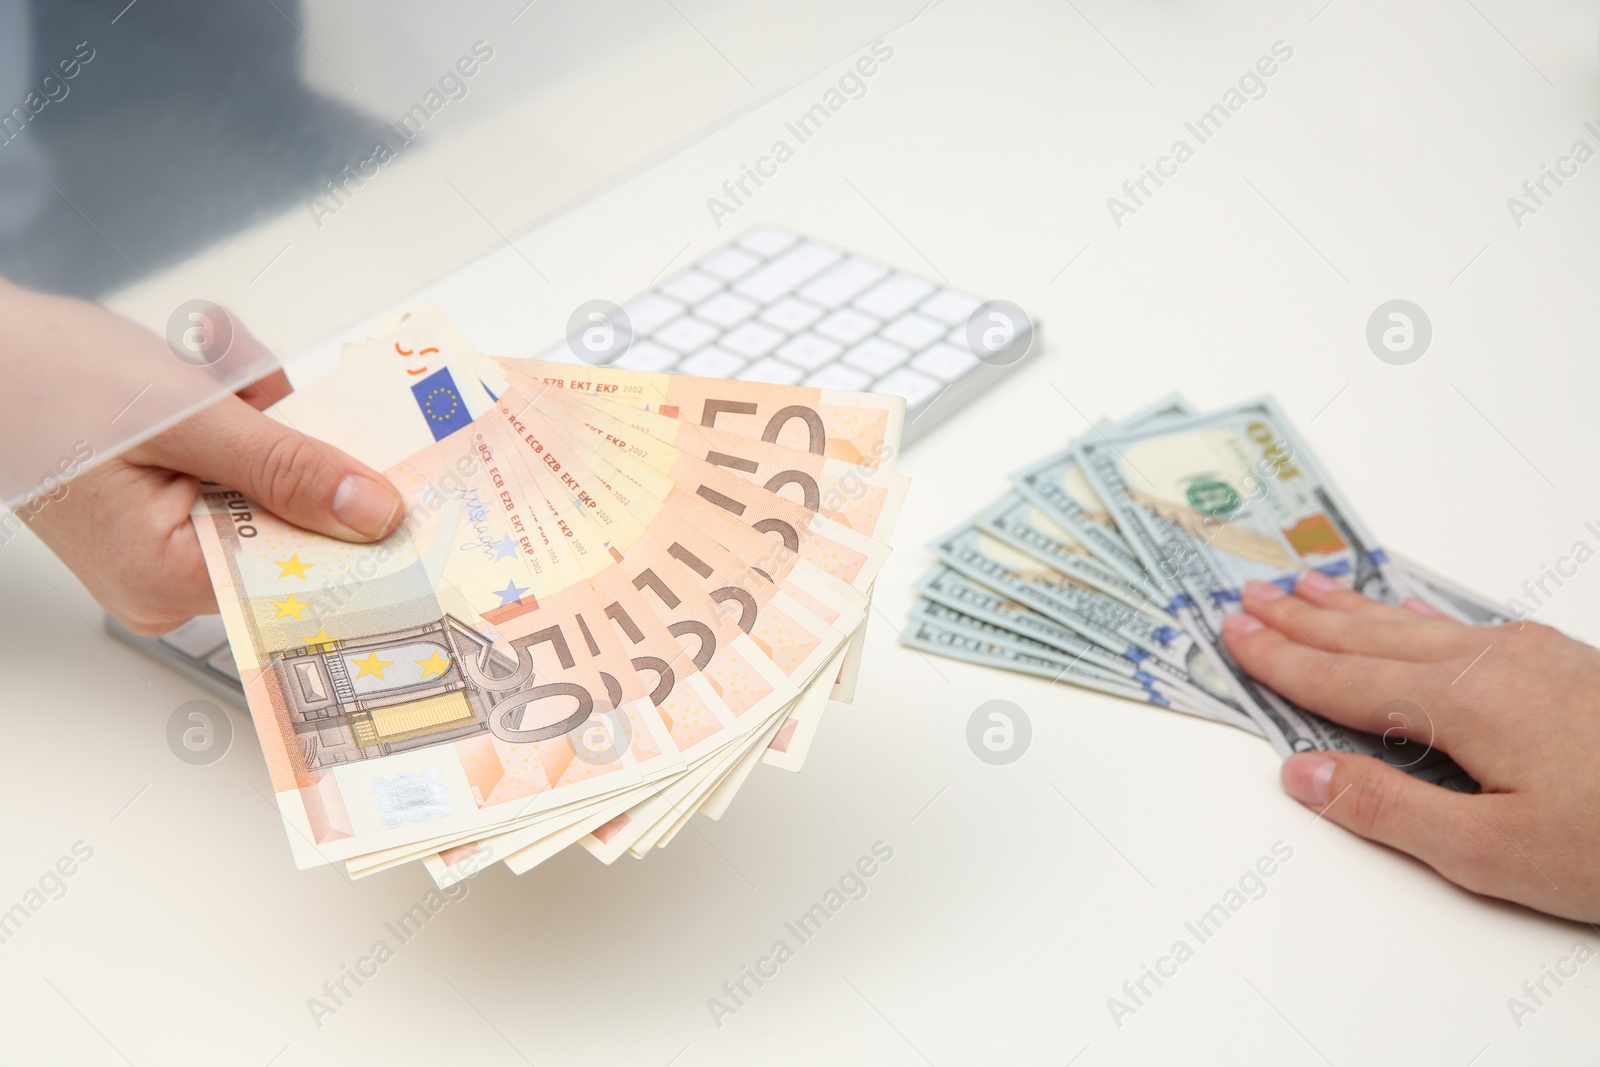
{"type": "Point", "coordinates": [860, 429]}
{"type": "Point", "coordinates": [387, 708]}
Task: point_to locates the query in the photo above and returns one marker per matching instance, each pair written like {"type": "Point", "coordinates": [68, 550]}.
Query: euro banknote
{"type": "Point", "coordinates": [605, 601]}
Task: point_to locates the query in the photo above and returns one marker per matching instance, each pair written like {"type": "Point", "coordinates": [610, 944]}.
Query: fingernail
{"type": "Point", "coordinates": [1264, 590]}
{"type": "Point", "coordinates": [1309, 778]}
{"type": "Point", "coordinates": [1419, 607]}
{"type": "Point", "coordinates": [1317, 582]}
{"type": "Point", "coordinates": [1242, 624]}
{"type": "Point", "coordinates": [366, 506]}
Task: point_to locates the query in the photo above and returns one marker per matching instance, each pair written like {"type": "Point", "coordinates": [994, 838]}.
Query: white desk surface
{"type": "Point", "coordinates": [1019, 898]}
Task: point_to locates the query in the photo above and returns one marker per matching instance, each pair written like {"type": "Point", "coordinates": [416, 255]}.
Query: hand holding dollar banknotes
{"type": "Point", "coordinates": [1514, 705]}
{"type": "Point", "coordinates": [1206, 563]}
{"type": "Point", "coordinates": [123, 527]}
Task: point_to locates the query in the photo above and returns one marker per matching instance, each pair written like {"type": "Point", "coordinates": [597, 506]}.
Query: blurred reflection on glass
{"type": "Point", "coordinates": [133, 139]}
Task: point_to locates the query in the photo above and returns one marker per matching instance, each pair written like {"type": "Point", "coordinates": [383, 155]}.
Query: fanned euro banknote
{"type": "Point", "coordinates": [1114, 561]}
{"type": "Point", "coordinates": [611, 596]}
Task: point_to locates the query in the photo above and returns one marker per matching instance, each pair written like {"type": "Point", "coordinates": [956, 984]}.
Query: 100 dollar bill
{"type": "Point", "coordinates": [1219, 499]}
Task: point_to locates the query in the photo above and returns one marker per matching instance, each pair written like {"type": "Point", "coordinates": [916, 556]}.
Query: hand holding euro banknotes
{"type": "Point", "coordinates": [611, 595]}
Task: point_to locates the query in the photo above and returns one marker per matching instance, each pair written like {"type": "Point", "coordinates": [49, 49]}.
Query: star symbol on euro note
{"type": "Point", "coordinates": [434, 664]}
{"type": "Point", "coordinates": [288, 606]}
{"type": "Point", "coordinates": [511, 594]}
{"type": "Point", "coordinates": [505, 548]}
{"type": "Point", "coordinates": [292, 567]}
{"type": "Point", "coordinates": [371, 665]}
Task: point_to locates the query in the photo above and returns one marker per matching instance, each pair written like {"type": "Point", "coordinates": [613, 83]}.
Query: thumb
{"type": "Point", "coordinates": [298, 478]}
{"type": "Point", "coordinates": [1385, 804]}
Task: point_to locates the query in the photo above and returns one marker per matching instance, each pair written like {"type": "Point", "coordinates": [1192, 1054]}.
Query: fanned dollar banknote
{"type": "Point", "coordinates": [611, 596]}
{"type": "Point", "coordinates": [1115, 560]}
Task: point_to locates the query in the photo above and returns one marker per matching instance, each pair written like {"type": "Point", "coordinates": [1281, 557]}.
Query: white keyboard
{"type": "Point", "coordinates": [773, 306]}
{"type": "Point", "coordinates": [770, 307]}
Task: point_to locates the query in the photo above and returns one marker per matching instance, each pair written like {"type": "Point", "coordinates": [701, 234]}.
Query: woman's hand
{"type": "Point", "coordinates": [123, 526]}
{"type": "Point", "coordinates": [1517, 706]}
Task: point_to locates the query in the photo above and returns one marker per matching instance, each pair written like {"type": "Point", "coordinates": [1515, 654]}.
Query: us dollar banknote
{"type": "Point", "coordinates": [1132, 545]}
{"type": "Point", "coordinates": [1148, 637]}
{"type": "Point", "coordinates": [1220, 499]}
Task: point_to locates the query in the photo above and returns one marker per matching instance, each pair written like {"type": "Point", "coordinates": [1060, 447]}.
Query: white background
{"type": "Point", "coordinates": [1019, 898]}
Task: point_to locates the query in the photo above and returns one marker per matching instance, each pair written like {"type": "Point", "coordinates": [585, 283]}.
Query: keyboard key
{"type": "Point", "coordinates": [771, 370]}
{"type": "Point", "coordinates": [876, 356]}
{"type": "Point", "coordinates": [647, 356]}
{"type": "Point", "coordinates": [686, 334]}
{"type": "Point", "coordinates": [791, 314]}
{"type": "Point", "coordinates": [650, 311]}
{"type": "Point", "coordinates": [726, 310]}
{"type": "Point", "coordinates": [838, 376]}
{"type": "Point", "coordinates": [809, 351]}
{"type": "Point", "coordinates": [222, 663]}
{"type": "Point", "coordinates": [729, 264]}
{"type": "Point", "coordinates": [914, 331]}
{"type": "Point", "coordinates": [691, 286]}
{"type": "Point", "coordinates": [768, 241]}
{"type": "Point", "coordinates": [711, 363]}
{"type": "Point", "coordinates": [752, 339]}
{"type": "Point", "coordinates": [197, 638]}
{"type": "Point", "coordinates": [945, 362]}
{"type": "Point", "coordinates": [893, 295]}
{"type": "Point", "coordinates": [918, 389]}
{"type": "Point", "coordinates": [836, 286]}
{"type": "Point", "coordinates": [949, 306]}
{"type": "Point", "coordinates": [787, 273]}
{"type": "Point", "coordinates": [847, 326]}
